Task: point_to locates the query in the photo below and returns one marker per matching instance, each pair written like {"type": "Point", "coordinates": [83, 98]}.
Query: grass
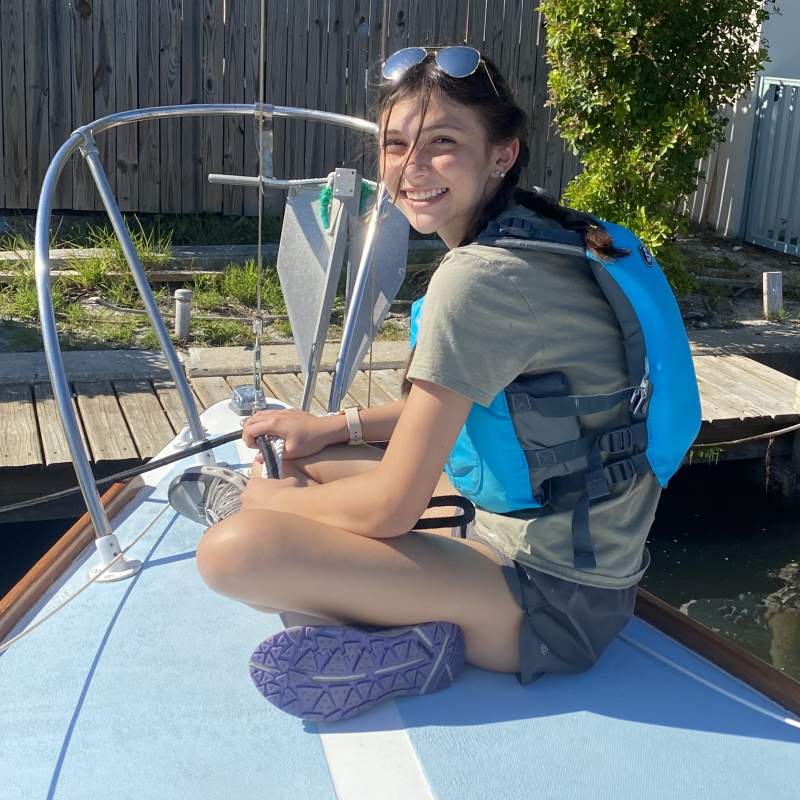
{"type": "Point", "coordinates": [233, 291]}
{"type": "Point", "coordinates": [221, 332]}
{"type": "Point", "coordinates": [241, 283]}
{"type": "Point", "coordinates": [206, 295]}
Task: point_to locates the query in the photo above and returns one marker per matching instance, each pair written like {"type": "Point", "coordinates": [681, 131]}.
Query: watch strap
{"type": "Point", "coordinates": [354, 426]}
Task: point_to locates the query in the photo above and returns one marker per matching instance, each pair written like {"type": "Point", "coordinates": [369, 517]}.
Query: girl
{"type": "Point", "coordinates": [398, 612]}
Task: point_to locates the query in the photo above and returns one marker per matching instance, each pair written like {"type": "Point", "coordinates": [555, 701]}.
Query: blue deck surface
{"type": "Point", "coordinates": [140, 689]}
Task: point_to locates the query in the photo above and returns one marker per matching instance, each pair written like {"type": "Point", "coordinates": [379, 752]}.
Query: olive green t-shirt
{"type": "Point", "coordinates": [492, 314]}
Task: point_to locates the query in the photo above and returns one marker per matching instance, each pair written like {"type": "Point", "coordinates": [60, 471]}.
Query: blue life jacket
{"type": "Point", "coordinates": [528, 443]}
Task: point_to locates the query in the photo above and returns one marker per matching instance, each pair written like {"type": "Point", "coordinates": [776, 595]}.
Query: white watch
{"type": "Point", "coordinates": [353, 425]}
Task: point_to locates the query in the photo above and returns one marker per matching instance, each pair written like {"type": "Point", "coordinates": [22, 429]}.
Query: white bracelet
{"type": "Point", "coordinates": [353, 426]}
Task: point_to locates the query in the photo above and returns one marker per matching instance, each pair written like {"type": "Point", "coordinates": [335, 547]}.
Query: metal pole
{"type": "Point", "coordinates": [92, 156]}
{"type": "Point", "coordinates": [359, 288]}
{"type": "Point", "coordinates": [52, 351]}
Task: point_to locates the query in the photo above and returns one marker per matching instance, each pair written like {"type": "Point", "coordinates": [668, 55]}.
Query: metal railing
{"type": "Point", "coordinates": [83, 139]}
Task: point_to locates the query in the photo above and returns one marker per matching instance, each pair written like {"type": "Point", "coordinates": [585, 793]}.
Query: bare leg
{"type": "Point", "coordinates": [289, 562]}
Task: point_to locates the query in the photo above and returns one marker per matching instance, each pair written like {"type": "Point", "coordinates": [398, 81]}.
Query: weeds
{"type": "Point", "coordinates": [673, 262]}
{"type": "Point", "coordinates": [221, 332]}
{"type": "Point", "coordinates": [206, 294]}
{"type": "Point", "coordinates": [271, 292]}
{"type": "Point", "coordinates": [778, 316]}
{"type": "Point", "coordinates": [241, 283]}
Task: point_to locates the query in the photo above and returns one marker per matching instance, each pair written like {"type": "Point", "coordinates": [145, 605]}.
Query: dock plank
{"type": "Point", "coordinates": [783, 385]}
{"type": "Point", "coordinates": [289, 388]}
{"type": "Point", "coordinates": [104, 422]}
{"type": "Point", "coordinates": [364, 395]}
{"type": "Point", "coordinates": [19, 436]}
{"type": "Point", "coordinates": [54, 442]}
{"type": "Point", "coordinates": [146, 418]}
{"type": "Point", "coordinates": [389, 382]}
{"type": "Point", "coordinates": [772, 398]}
{"type": "Point", "coordinates": [711, 410]}
{"type": "Point", "coordinates": [322, 391]}
{"type": "Point", "coordinates": [726, 390]}
{"type": "Point", "coordinates": [171, 403]}
{"type": "Point", "coordinates": [211, 390]}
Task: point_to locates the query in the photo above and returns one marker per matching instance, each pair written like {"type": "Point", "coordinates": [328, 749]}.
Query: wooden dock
{"type": "Point", "coordinates": [132, 420]}
{"type": "Point", "coordinates": [126, 421]}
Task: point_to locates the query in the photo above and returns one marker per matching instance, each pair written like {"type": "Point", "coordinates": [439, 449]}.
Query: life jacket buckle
{"type": "Point", "coordinates": [616, 441]}
{"type": "Point", "coordinates": [640, 398]}
{"type": "Point", "coordinates": [619, 471]}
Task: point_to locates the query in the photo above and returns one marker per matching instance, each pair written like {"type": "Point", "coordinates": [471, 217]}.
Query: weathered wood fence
{"type": "Point", "coordinates": [64, 63]}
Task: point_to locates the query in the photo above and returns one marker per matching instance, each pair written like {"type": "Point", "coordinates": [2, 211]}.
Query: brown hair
{"type": "Point", "coordinates": [486, 92]}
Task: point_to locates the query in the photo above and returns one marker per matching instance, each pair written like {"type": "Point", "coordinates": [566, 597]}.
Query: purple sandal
{"type": "Point", "coordinates": [326, 673]}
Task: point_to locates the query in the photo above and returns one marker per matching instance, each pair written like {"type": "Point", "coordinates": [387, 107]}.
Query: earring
{"type": "Point", "coordinates": [499, 174]}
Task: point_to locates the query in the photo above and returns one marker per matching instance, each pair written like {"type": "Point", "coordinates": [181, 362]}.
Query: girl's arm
{"type": "Point", "coordinates": [378, 423]}
{"type": "Point", "coordinates": [389, 499]}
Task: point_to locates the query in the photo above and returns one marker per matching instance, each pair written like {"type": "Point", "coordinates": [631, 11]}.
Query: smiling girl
{"type": "Point", "coordinates": [543, 581]}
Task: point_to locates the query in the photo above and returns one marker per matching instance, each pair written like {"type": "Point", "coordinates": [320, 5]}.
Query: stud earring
{"type": "Point", "coordinates": [499, 174]}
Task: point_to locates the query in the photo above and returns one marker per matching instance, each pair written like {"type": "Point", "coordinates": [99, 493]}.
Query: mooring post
{"type": "Point", "coordinates": [183, 313]}
{"type": "Point", "coordinates": [773, 294]}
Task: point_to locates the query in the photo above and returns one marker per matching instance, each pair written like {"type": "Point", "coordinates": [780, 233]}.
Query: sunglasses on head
{"type": "Point", "coordinates": [457, 61]}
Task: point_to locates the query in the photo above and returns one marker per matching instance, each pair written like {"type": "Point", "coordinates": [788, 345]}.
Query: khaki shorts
{"type": "Point", "coordinates": [567, 625]}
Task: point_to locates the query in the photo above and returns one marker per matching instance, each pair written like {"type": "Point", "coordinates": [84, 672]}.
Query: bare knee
{"type": "Point", "coordinates": [234, 552]}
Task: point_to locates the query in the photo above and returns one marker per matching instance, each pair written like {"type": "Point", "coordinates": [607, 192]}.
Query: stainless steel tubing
{"type": "Point", "coordinates": [359, 289]}
{"type": "Point", "coordinates": [228, 110]}
{"type": "Point", "coordinates": [52, 350]}
{"type": "Point", "coordinates": [269, 183]}
{"type": "Point", "coordinates": [89, 149]}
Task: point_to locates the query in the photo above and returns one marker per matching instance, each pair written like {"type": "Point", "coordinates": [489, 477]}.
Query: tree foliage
{"type": "Point", "coordinates": [640, 89]}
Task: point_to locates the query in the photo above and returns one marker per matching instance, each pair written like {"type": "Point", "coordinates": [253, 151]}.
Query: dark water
{"type": "Point", "coordinates": [728, 555]}
{"type": "Point", "coordinates": [722, 550]}
{"type": "Point", "coordinates": [22, 544]}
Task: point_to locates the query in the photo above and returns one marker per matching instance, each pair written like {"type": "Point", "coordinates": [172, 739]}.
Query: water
{"type": "Point", "coordinates": [22, 544]}
{"type": "Point", "coordinates": [729, 556]}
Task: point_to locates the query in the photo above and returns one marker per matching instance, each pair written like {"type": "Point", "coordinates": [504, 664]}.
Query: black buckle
{"type": "Point", "coordinates": [616, 441]}
{"type": "Point", "coordinates": [619, 471]}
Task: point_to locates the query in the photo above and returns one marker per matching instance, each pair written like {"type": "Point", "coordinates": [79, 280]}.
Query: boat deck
{"type": "Point", "coordinates": [129, 420]}
{"type": "Point", "coordinates": [140, 689]}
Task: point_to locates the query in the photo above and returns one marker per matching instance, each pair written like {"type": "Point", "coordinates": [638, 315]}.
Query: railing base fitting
{"type": "Point", "coordinates": [108, 548]}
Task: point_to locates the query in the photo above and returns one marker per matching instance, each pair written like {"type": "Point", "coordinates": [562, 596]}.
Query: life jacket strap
{"type": "Point", "coordinates": [574, 405]}
{"type": "Point", "coordinates": [617, 440]}
{"type": "Point", "coordinates": [599, 481]}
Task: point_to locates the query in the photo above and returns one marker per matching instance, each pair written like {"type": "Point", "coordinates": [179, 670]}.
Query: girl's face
{"type": "Point", "coordinates": [452, 170]}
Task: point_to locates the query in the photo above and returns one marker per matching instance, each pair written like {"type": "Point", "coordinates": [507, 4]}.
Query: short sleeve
{"type": "Point", "coordinates": [477, 332]}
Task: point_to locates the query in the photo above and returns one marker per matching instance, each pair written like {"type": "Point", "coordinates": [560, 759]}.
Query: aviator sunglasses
{"type": "Point", "coordinates": [457, 61]}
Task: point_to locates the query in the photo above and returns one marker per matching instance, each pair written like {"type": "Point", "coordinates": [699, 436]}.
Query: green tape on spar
{"type": "Point", "coordinates": [326, 197]}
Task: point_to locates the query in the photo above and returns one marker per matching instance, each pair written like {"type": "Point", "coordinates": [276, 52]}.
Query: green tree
{"type": "Point", "coordinates": [640, 89]}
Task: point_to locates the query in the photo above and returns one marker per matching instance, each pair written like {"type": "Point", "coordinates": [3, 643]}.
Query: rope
{"type": "Point", "coordinates": [653, 654]}
{"type": "Point", "coordinates": [35, 625]}
{"type": "Point", "coordinates": [129, 473]}
{"type": "Point", "coordinates": [760, 436]}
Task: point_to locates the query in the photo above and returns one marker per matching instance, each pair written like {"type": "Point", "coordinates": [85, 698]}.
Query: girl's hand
{"type": "Point", "coordinates": [264, 494]}
{"type": "Point", "coordinates": [303, 434]}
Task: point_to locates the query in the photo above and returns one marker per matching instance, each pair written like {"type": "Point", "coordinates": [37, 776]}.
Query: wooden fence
{"type": "Point", "coordinates": [64, 63]}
